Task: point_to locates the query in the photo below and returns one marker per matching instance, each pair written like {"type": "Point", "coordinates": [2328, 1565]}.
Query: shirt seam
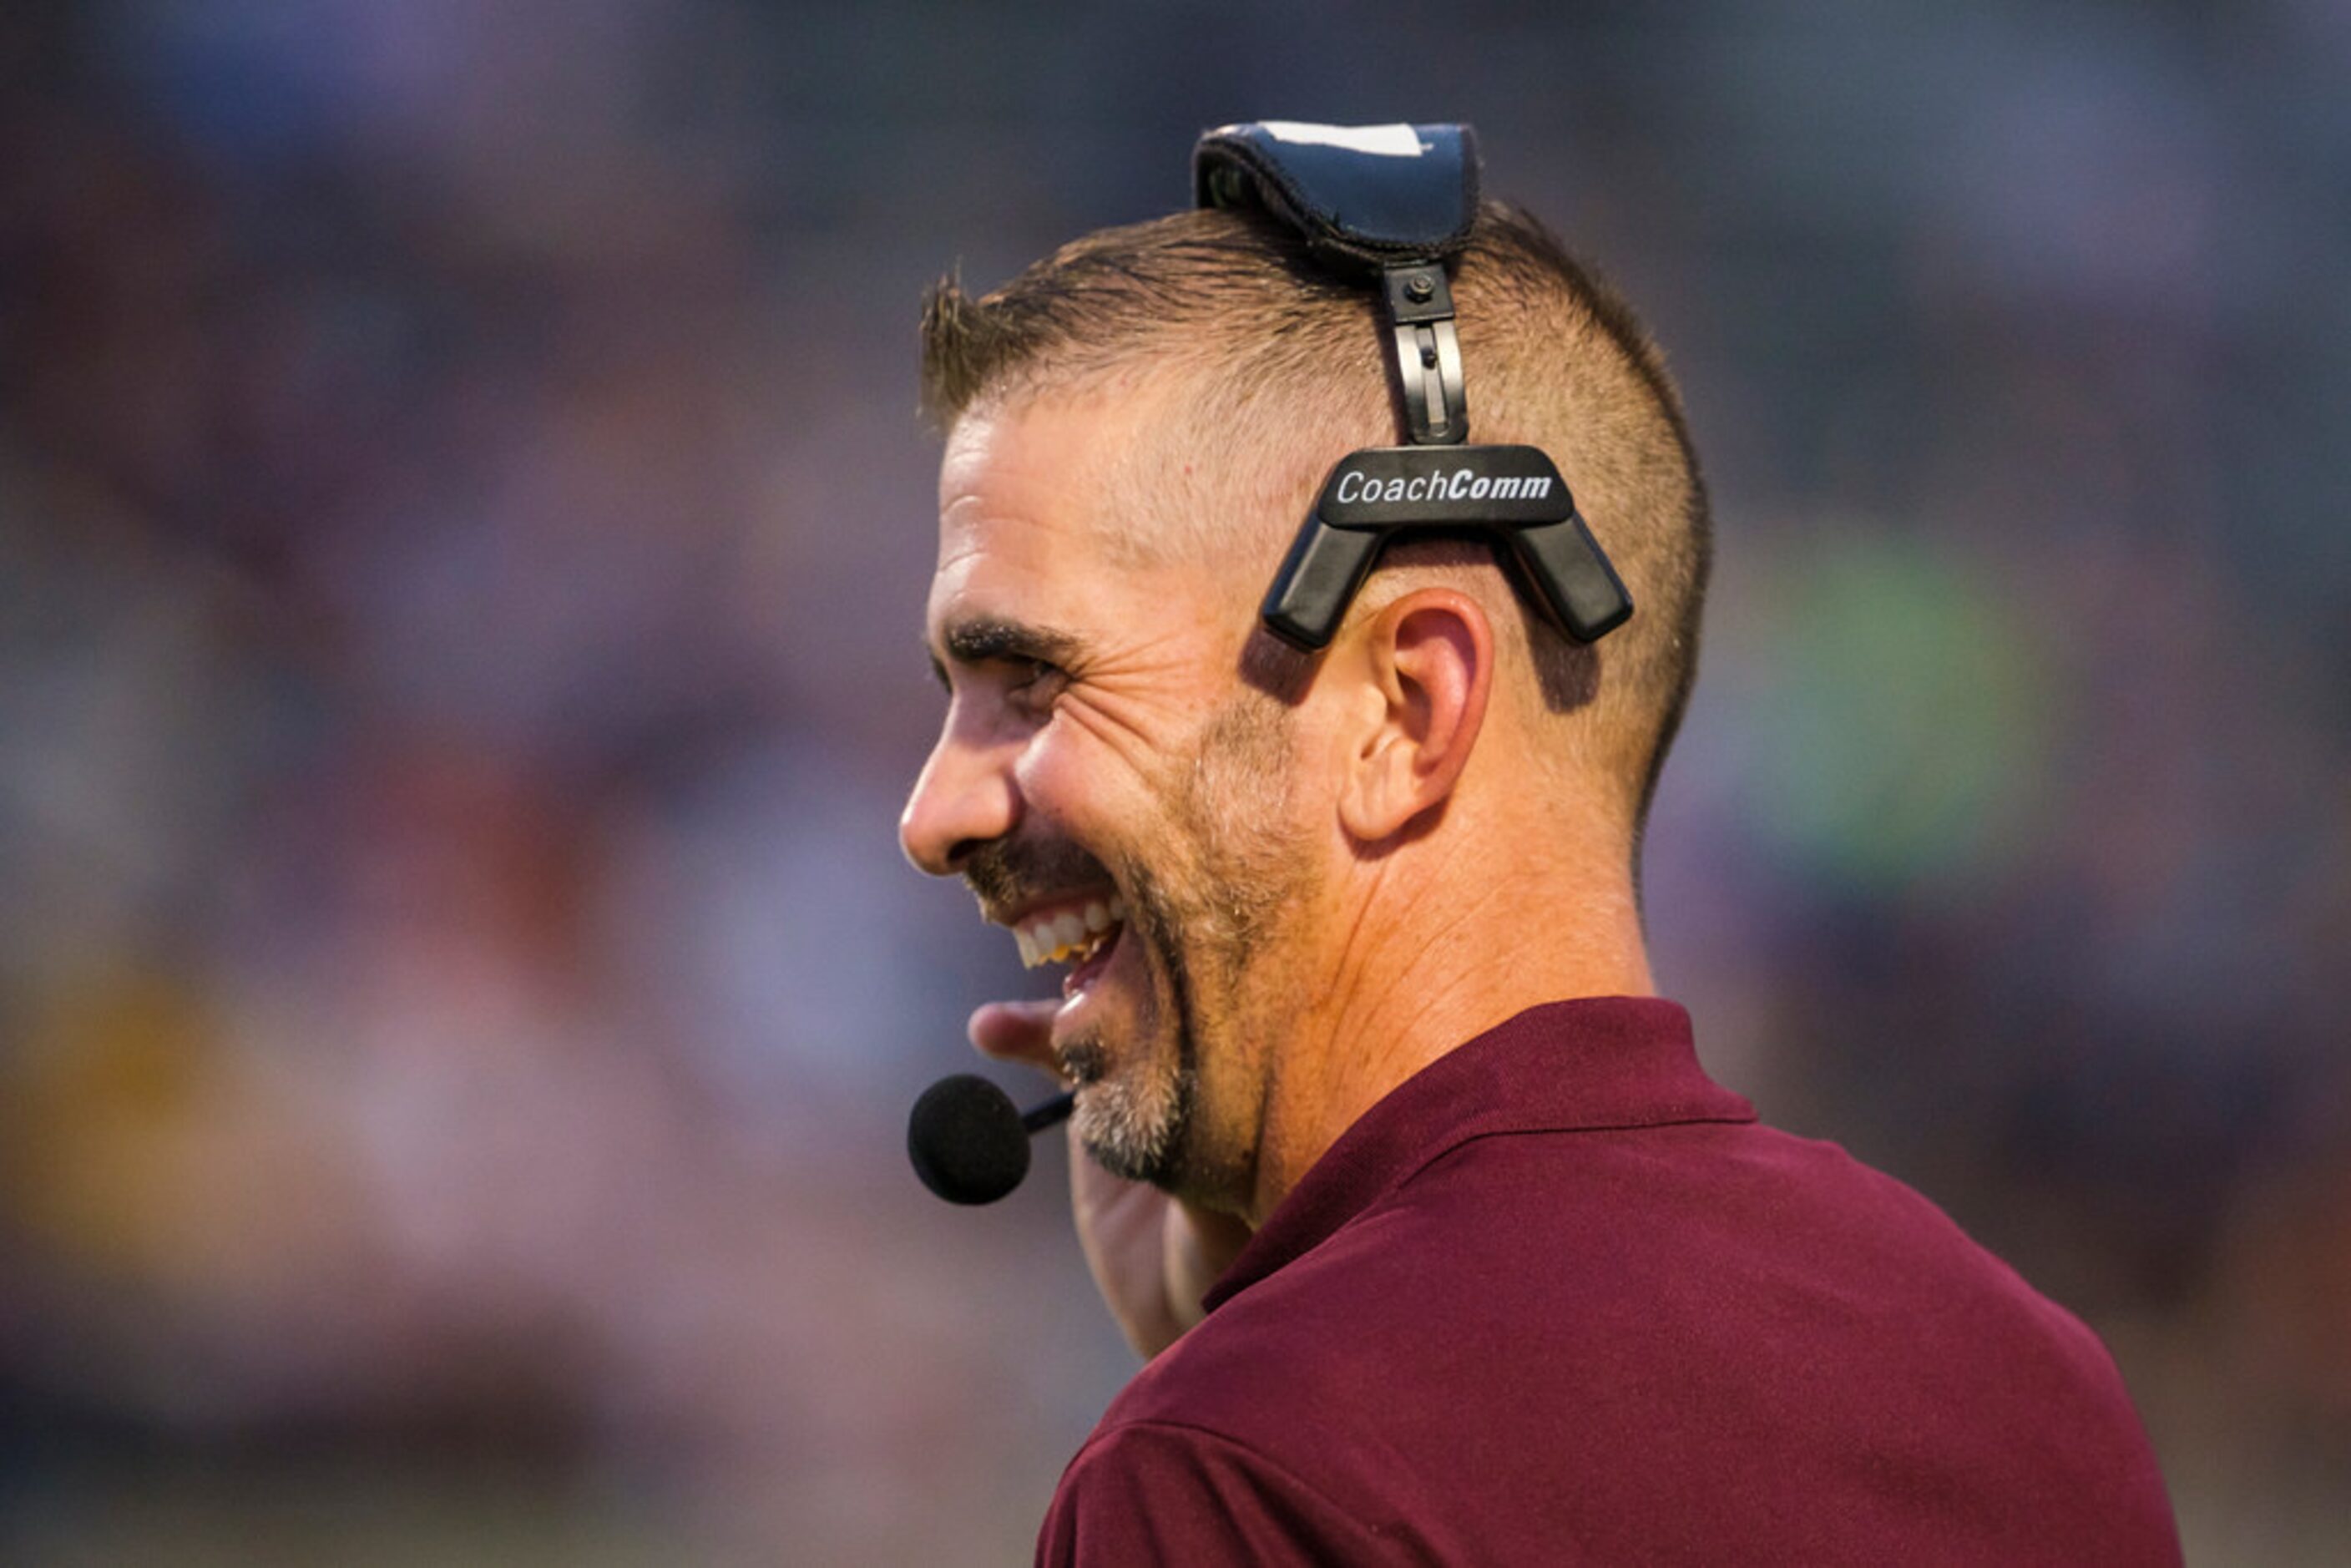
{"type": "Point", "coordinates": [1458, 1145]}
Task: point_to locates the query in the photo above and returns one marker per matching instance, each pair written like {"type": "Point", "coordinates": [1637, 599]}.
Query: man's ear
{"type": "Point", "coordinates": [1428, 662]}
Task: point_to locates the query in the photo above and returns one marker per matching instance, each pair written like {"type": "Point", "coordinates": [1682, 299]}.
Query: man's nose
{"type": "Point", "coordinates": [965, 797]}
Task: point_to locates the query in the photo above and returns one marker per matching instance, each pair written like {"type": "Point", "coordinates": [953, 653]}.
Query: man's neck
{"type": "Point", "coordinates": [1425, 969]}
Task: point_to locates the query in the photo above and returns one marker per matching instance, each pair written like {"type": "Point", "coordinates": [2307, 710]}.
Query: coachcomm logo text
{"type": "Point", "coordinates": [1461, 485]}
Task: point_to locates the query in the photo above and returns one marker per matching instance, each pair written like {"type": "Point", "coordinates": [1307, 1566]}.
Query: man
{"type": "Point", "coordinates": [1440, 1244]}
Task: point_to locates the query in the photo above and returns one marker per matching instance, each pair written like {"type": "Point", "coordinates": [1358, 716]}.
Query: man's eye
{"type": "Point", "coordinates": [1038, 683]}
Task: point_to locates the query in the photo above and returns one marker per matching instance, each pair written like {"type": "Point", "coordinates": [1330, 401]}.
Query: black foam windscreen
{"type": "Point", "coordinates": [968, 1140]}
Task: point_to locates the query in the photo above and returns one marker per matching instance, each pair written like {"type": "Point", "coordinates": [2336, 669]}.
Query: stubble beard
{"type": "Point", "coordinates": [1183, 1116]}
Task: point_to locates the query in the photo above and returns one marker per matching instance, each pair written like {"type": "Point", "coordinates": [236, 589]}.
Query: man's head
{"type": "Point", "coordinates": [1135, 427]}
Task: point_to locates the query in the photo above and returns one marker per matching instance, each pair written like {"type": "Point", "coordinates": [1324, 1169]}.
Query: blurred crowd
{"type": "Point", "coordinates": [464, 525]}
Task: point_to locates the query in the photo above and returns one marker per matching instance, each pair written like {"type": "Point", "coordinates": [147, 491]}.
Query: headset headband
{"type": "Point", "coordinates": [1391, 206]}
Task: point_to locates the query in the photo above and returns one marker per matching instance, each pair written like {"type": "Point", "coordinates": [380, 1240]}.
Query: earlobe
{"type": "Point", "coordinates": [1429, 658]}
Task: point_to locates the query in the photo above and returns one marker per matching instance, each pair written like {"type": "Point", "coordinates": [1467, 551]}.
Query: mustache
{"type": "Point", "coordinates": [1005, 873]}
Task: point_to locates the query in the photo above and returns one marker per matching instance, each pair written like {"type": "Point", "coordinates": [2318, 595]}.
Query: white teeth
{"type": "Point", "coordinates": [1073, 934]}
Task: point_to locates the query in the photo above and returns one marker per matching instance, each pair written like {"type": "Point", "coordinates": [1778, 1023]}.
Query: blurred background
{"type": "Point", "coordinates": [464, 525]}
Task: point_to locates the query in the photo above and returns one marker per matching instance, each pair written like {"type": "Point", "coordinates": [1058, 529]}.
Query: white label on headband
{"type": "Point", "coordinates": [1382, 140]}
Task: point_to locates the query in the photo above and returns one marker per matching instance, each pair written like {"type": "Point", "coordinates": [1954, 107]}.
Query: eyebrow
{"type": "Point", "coordinates": [987, 639]}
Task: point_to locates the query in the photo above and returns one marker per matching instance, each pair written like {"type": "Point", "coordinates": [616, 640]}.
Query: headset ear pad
{"type": "Point", "coordinates": [1317, 581]}
{"type": "Point", "coordinates": [1564, 567]}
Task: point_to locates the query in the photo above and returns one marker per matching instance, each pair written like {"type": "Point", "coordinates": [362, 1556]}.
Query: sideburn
{"type": "Point", "coordinates": [1235, 805]}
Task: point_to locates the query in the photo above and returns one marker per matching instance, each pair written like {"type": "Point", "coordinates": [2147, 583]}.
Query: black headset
{"type": "Point", "coordinates": [1390, 206]}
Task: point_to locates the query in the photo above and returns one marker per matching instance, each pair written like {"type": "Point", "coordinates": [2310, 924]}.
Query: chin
{"type": "Point", "coordinates": [1135, 1122]}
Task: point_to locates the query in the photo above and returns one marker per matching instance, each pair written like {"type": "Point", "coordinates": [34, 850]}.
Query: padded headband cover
{"type": "Point", "coordinates": [1365, 196]}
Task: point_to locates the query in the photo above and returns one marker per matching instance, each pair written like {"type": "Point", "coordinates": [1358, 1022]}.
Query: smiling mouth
{"type": "Point", "coordinates": [1082, 938]}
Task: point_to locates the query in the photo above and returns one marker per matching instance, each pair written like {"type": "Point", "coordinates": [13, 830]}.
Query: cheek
{"type": "Point", "coordinates": [1053, 777]}
{"type": "Point", "coordinates": [1079, 787]}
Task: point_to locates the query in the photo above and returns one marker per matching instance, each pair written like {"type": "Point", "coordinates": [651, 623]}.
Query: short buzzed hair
{"type": "Point", "coordinates": [1288, 362]}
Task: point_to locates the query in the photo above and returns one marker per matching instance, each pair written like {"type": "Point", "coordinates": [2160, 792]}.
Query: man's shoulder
{"type": "Point", "coordinates": [1578, 1331]}
{"type": "Point", "coordinates": [1528, 1255]}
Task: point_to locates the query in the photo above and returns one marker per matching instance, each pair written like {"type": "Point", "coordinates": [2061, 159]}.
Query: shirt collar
{"type": "Point", "coordinates": [1575, 1066]}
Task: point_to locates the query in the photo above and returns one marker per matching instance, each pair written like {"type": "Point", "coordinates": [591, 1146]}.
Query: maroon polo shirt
{"type": "Point", "coordinates": [1560, 1298]}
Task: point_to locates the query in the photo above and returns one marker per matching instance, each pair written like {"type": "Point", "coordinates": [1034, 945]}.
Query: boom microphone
{"type": "Point", "coordinates": [968, 1142]}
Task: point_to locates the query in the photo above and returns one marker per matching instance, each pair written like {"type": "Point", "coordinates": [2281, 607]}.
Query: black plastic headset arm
{"type": "Point", "coordinates": [1513, 494]}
